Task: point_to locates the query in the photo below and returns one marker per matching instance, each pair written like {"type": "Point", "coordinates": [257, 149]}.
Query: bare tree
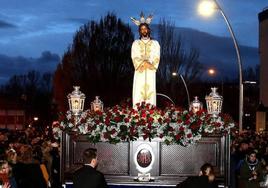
{"type": "Point", "coordinates": [175, 59]}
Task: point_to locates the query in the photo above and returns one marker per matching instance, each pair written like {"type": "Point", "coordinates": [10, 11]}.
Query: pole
{"type": "Point", "coordinates": [186, 88]}
{"type": "Point", "coordinates": [241, 95]}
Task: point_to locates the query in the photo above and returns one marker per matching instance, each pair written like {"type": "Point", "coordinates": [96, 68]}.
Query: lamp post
{"type": "Point", "coordinates": [206, 8]}
{"type": "Point", "coordinates": [185, 86]}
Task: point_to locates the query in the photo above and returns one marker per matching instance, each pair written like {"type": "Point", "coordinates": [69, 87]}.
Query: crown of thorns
{"type": "Point", "coordinates": [142, 19]}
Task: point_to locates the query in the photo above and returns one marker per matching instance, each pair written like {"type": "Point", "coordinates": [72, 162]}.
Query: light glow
{"type": "Point", "coordinates": [206, 8]}
{"type": "Point", "coordinates": [211, 71]}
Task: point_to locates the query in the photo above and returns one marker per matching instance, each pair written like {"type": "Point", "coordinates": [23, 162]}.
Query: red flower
{"type": "Point", "coordinates": [115, 109]}
{"type": "Point", "coordinates": [150, 120]}
{"type": "Point", "coordinates": [109, 114]}
{"type": "Point", "coordinates": [107, 121]}
{"type": "Point", "coordinates": [194, 126]}
{"type": "Point", "coordinates": [187, 116]}
{"type": "Point", "coordinates": [217, 124]}
{"type": "Point", "coordinates": [161, 136]}
{"type": "Point", "coordinates": [106, 135]}
{"type": "Point", "coordinates": [189, 135]}
{"type": "Point", "coordinates": [187, 122]}
{"type": "Point", "coordinates": [132, 129]}
{"type": "Point", "coordinates": [145, 136]}
{"type": "Point", "coordinates": [98, 112]}
{"type": "Point", "coordinates": [113, 131]}
{"type": "Point", "coordinates": [167, 120]}
{"type": "Point", "coordinates": [141, 122]}
{"type": "Point", "coordinates": [181, 128]}
{"type": "Point", "coordinates": [117, 119]}
{"type": "Point", "coordinates": [199, 122]}
{"type": "Point", "coordinates": [143, 115]}
{"type": "Point", "coordinates": [178, 137]}
{"type": "Point", "coordinates": [179, 121]}
{"type": "Point", "coordinates": [83, 120]}
{"type": "Point", "coordinates": [199, 113]}
{"type": "Point", "coordinates": [126, 120]}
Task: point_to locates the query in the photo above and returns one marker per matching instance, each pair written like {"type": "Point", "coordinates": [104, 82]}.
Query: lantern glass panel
{"type": "Point", "coordinates": [196, 105]}
{"type": "Point", "coordinates": [97, 104]}
{"type": "Point", "coordinates": [214, 103]}
{"type": "Point", "coordinates": [76, 101]}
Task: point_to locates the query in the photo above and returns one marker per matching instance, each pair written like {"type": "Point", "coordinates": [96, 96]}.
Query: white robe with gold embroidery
{"type": "Point", "coordinates": [144, 84]}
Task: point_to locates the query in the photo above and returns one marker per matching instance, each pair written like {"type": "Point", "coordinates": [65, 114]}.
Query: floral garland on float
{"type": "Point", "coordinates": [122, 123]}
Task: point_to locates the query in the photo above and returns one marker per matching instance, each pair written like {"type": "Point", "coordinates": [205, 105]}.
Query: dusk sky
{"type": "Point", "coordinates": [30, 27]}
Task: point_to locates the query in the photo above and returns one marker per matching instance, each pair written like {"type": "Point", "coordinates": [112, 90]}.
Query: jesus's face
{"type": "Point", "coordinates": [144, 31]}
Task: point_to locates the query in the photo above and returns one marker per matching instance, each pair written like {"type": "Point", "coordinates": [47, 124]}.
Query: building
{"type": "Point", "coordinates": [12, 114]}
{"type": "Point", "coordinates": [263, 49]}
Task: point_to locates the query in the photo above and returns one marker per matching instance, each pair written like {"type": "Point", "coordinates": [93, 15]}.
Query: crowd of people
{"type": "Point", "coordinates": [249, 160]}
{"type": "Point", "coordinates": [29, 158]}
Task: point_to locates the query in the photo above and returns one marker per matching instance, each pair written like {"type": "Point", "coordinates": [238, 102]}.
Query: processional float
{"type": "Point", "coordinates": [146, 146]}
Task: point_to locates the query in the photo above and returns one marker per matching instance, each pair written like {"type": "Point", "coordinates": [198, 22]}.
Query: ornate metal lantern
{"type": "Point", "coordinates": [76, 101]}
{"type": "Point", "coordinates": [196, 105]}
{"type": "Point", "coordinates": [214, 102]}
{"type": "Point", "coordinates": [97, 104]}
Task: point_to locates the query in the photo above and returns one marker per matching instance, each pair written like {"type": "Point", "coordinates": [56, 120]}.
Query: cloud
{"type": "Point", "coordinates": [4, 24]}
{"type": "Point", "coordinates": [10, 66]}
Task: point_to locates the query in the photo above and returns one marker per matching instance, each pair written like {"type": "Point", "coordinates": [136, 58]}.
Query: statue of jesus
{"type": "Point", "coordinates": [145, 54]}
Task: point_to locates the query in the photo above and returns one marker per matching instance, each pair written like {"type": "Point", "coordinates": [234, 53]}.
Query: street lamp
{"type": "Point", "coordinates": [213, 72]}
{"type": "Point", "coordinates": [203, 9]}
{"type": "Point", "coordinates": [185, 86]}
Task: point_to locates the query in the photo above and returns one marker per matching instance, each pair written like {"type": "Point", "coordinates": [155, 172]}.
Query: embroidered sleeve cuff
{"type": "Point", "coordinates": [155, 63]}
{"type": "Point", "coordinates": [137, 62]}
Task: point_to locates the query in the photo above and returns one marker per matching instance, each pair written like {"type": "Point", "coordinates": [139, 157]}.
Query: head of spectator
{"type": "Point", "coordinates": [11, 156]}
{"type": "Point", "coordinates": [5, 168]}
{"type": "Point", "coordinates": [243, 146]}
{"type": "Point", "coordinates": [252, 157]}
{"type": "Point", "coordinates": [25, 154]}
{"type": "Point", "coordinates": [207, 170]}
{"type": "Point", "coordinates": [5, 171]}
{"type": "Point", "coordinates": [90, 157]}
